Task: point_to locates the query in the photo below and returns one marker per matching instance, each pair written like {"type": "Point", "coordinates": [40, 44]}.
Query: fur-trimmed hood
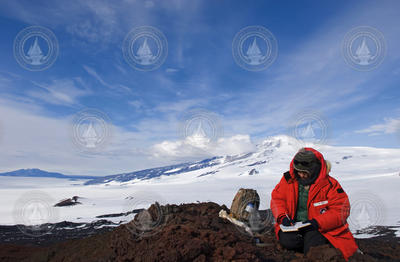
{"type": "Point", "coordinates": [325, 166]}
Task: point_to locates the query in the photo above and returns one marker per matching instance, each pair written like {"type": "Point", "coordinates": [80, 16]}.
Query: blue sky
{"type": "Point", "coordinates": [145, 108]}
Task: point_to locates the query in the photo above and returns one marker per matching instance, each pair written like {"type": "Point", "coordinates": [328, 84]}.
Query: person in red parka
{"type": "Point", "coordinates": [307, 193]}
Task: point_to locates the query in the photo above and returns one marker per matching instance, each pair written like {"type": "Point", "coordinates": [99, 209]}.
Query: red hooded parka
{"type": "Point", "coordinates": [327, 203]}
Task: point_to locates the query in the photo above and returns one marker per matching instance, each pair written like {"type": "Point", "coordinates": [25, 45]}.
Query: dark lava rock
{"type": "Point", "coordinates": [188, 232]}
{"type": "Point", "coordinates": [68, 202]}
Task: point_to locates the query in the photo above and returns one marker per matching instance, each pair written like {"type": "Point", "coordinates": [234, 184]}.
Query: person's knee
{"type": "Point", "coordinates": [291, 240]}
{"type": "Point", "coordinates": [312, 239]}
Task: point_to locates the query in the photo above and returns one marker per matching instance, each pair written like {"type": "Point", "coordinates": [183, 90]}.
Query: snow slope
{"type": "Point", "coordinates": [370, 176]}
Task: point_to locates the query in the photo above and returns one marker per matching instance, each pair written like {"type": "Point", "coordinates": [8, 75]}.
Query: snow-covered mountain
{"type": "Point", "coordinates": [262, 157]}
{"type": "Point", "coordinates": [155, 172]}
{"type": "Point", "coordinates": [370, 176]}
{"type": "Point", "coordinates": [271, 159]}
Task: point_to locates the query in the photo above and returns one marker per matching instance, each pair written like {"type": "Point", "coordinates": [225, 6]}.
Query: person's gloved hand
{"type": "Point", "coordinates": [314, 223]}
{"type": "Point", "coordinates": [287, 222]}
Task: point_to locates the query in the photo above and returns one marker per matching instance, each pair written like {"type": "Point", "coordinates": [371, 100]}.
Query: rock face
{"type": "Point", "coordinates": [188, 232]}
{"type": "Point", "coordinates": [68, 202]}
{"type": "Point", "coordinates": [253, 172]}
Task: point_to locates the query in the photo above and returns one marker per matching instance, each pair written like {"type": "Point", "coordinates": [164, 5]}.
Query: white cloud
{"type": "Point", "coordinates": [136, 104]}
{"type": "Point", "coordinates": [88, 30]}
{"type": "Point", "coordinates": [59, 91]}
{"type": "Point", "coordinates": [312, 75]}
{"type": "Point", "coordinates": [97, 21]}
{"type": "Point", "coordinates": [234, 145]}
{"type": "Point", "coordinates": [30, 139]}
{"type": "Point", "coordinates": [180, 106]}
{"type": "Point", "coordinates": [191, 149]}
{"type": "Point", "coordinates": [390, 126]}
{"type": "Point", "coordinates": [91, 20]}
{"type": "Point", "coordinates": [171, 70]}
{"type": "Point", "coordinates": [94, 74]}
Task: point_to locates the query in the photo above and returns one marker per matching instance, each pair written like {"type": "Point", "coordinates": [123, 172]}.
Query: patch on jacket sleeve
{"type": "Point", "coordinates": [321, 203]}
{"type": "Point", "coordinates": [340, 190]}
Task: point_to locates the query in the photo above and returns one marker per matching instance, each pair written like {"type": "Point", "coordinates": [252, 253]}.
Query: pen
{"type": "Point", "coordinates": [289, 219]}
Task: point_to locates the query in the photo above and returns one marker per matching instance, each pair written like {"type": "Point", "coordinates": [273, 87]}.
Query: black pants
{"type": "Point", "coordinates": [301, 241]}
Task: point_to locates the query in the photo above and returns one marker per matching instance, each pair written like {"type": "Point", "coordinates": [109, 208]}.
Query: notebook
{"type": "Point", "coordinates": [295, 227]}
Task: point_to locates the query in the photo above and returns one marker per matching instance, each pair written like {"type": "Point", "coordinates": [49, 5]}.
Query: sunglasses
{"type": "Point", "coordinates": [303, 163]}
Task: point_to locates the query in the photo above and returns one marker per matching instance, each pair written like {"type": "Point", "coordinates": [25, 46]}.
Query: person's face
{"type": "Point", "coordinates": [303, 175]}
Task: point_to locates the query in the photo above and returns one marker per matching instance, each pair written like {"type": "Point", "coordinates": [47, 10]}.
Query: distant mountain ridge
{"type": "Point", "coordinates": [141, 174]}
{"type": "Point", "coordinates": [35, 172]}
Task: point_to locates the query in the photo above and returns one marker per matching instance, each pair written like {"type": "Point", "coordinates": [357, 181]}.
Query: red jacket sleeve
{"type": "Point", "coordinates": [278, 201]}
{"type": "Point", "coordinates": [338, 208]}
